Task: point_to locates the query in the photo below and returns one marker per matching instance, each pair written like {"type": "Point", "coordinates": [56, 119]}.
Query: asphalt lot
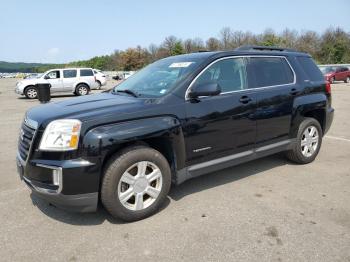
{"type": "Point", "coordinates": [266, 210]}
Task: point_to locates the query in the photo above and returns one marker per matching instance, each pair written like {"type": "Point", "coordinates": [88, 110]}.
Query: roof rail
{"type": "Point", "coordinates": [263, 48]}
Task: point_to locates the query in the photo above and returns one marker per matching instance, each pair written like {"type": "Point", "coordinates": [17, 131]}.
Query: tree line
{"type": "Point", "coordinates": [330, 47]}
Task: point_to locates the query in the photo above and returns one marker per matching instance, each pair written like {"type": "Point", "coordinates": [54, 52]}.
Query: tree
{"type": "Point", "coordinates": [213, 44]}
{"type": "Point", "coordinates": [334, 46]}
{"type": "Point", "coordinates": [177, 49]}
{"type": "Point", "coordinates": [226, 38]}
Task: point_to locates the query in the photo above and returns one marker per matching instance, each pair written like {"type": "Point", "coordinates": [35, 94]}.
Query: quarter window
{"type": "Point", "coordinates": [311, 70]}
{"type": "Point", "coordinates": [229, 74]}
{"type": "Point", "coordinates": [271, 71]}
{"type": "Point", "coordinates": [86, 72]}
{"type": "Point", "coordinates": [69, 73]}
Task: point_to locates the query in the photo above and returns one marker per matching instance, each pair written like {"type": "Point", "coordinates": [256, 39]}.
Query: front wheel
{"type": "Point", "coordinates": [308, 142]}
{"type": "Point", "coordinates": [31, 92]}
{"type": "Point", "coordinates": [136, 183]}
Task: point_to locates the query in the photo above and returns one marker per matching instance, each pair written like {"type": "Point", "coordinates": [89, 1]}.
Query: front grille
{"type": "Point", "coordinates": [25, 141]}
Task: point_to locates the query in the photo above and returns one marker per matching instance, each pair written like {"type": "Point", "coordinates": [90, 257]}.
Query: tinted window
{"type": "Point", "coordinates": [271, 71]}
{"type": "Point", "coordinates": [69, 73]}
{"type": "Point", "coordinates": [229, 74]}
{"type": "Point", "coordinates": [86, 72]}
{"type": "Point", "coordinates": [310, 68]}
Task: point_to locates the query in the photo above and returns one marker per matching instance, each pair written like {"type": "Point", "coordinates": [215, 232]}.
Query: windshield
{"type": "Point", "coordinates": [327, 70]}
{"type": "Point", "coordinates": [159, 78]}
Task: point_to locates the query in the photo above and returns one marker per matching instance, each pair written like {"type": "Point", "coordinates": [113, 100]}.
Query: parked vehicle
{"type": "Point", "coordinates": [336, 73]}
{"type": "Point", "coordinates": [100, 78]}
{"type": "Point", "coordinates": [117, 77]}
{"type": "Point", "coordinates": [76, 80]}
{"type": "Point", "coordinates": [30, 76]}
{"type": "Point", "coordinates": [178, 118]}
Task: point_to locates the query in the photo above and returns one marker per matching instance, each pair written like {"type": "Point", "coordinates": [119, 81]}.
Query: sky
{"type": "Point", "coordinates": [68, 30]}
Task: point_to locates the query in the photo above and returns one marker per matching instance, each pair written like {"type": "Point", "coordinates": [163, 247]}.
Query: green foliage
{"type": "Point", "coordinates": [177, 49]}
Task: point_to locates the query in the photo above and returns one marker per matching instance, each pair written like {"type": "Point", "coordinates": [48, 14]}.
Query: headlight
{"type": "Point", "coordinates": [61, 135]}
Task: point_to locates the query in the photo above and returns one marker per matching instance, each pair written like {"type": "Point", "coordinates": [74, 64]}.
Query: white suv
{"type": "Point", "coordinates": [76, 80]}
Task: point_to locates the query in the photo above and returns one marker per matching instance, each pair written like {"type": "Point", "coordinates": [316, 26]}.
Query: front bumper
{"type": "Point", "coordinates": [18, 91]}
{"type": "Point", "coordinates": [62, 183]}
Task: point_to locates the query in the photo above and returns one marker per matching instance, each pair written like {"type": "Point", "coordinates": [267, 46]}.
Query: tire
{"type": "Point", "coordinates": [31, 92]}
{"type": "Point", "coordinates": [99, 85]}
{"type": "Point", "coordinates": [347, 80]}
{"type": "Point", "coordinates": [305, 149]}
{"type": "Point", "coordinates": [332, 80]}
{"type": "Point", "coordinates": [82, 90]}
{"type": "Point", "coordinates": [120, 198]}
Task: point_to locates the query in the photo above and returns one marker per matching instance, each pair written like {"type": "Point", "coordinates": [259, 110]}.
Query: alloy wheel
{"type": "Point", "coordinates": [309, 141]}
{"type": "Point", "coordinates": [140, 186]}
{"type": "Point", "coordinates": [82, 90]}
{"type": "Point", "coordinates": [32, 93]}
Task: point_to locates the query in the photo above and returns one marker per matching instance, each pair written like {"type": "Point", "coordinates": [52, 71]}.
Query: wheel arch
{"type": "Point", "coordinates": [82, 83]}
{"type": "Point", "coordinates": [314, 106]}
{"type": "Point", "coordinates": [163, 134]}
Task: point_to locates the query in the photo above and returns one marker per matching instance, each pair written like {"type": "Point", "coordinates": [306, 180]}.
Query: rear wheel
{"type": "Point", "coordinates": [31, 92]}
{"type": "Point", "coordinates": [136, 183]}
{"type": "Point", "coordinates": [332, 80]}
{"type": "Point", "coordinates": [347, 80]}
{"type": "Point", "coordinates": [82, 90]}
{"type": "Point", "coordinates": [308, 142]}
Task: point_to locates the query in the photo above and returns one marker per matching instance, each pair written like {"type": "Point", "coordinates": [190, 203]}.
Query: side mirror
{"type": "Point", "coordinates": [206, 89]}
{"type": "Point", "coordinates": [46, 77]}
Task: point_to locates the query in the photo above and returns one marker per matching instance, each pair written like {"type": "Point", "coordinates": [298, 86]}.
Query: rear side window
{"type": "Point", "coordinates": [86, 72]}
{"type": "Point", "coordinates": [310, 68]}
{"type": "Point", "coordinates": [69, 73]}
{"type": "Point", "coordinates": [271, 71]}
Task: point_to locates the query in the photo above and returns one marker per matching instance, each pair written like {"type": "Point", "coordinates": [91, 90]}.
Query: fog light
{"type": "Point", "coordinates": [56, 177]}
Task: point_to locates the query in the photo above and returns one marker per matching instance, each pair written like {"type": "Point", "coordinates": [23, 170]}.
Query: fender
{"type": "Point", "coordinates": [305, 104]}
{"type": "Point", "coordinates": [100, 141]}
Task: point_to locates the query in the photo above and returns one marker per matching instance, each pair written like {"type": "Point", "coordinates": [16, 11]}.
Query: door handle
{"type": "Point", "coordinates": [294, 92]}
{"type": "Point", "coordinates": [245, 99]}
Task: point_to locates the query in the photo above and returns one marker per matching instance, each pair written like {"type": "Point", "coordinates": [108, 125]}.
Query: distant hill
{"type": "Point", "coordinates": [9, 67]}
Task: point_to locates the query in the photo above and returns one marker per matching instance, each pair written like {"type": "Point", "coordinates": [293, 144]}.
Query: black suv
{"type": "Point", "coordinates": [178, 118]}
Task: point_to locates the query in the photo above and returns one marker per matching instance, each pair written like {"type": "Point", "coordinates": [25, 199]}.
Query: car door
{"type": "Point", "coordinates": [338, 74]}
{"type": "Point", "coordinates": [69, 79]}
{"type": "Point", "coordinates": [343, 73]}
{"type": "Point", "coordinates": [274, 82]}
{"type": "Point", "coordinates": [55, 79]}
{"type": "Point", "coordinates": [221, 125]}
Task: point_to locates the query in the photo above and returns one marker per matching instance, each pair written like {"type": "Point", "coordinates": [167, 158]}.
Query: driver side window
{"type": "Point", "coordinates": [229, 74]}
{"type": "Point", "coordinates": [53, 75]}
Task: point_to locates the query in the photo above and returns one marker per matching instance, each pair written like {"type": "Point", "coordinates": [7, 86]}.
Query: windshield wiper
{"type": "Point", "coordinates": [128, 91]}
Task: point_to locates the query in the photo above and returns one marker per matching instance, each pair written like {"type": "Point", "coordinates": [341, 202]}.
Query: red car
{"type": "Point", "coordinates": [336, 73]}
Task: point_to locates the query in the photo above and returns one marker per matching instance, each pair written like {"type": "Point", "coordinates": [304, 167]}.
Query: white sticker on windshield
{"type": "Point", "coordinates": [162, 91]}
{"type": "Point", "coordinates": [182, 64]}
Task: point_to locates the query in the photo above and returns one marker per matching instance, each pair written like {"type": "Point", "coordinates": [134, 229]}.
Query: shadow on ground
{"type": "Point", "coordinates": [192, 186]}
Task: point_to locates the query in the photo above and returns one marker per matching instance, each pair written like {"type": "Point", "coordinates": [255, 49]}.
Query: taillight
{"type": "Point", "coordinates": [328, 87]}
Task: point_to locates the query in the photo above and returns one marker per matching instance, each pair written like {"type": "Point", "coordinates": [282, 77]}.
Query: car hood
{"type": "Point", "coordinates": [88, 108]}
{"type": "Point", "coordinates": [30, 81]}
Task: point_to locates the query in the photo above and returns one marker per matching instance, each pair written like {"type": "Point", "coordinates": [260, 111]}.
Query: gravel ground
{"type": "Point", "coordinates": [266, 210]}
